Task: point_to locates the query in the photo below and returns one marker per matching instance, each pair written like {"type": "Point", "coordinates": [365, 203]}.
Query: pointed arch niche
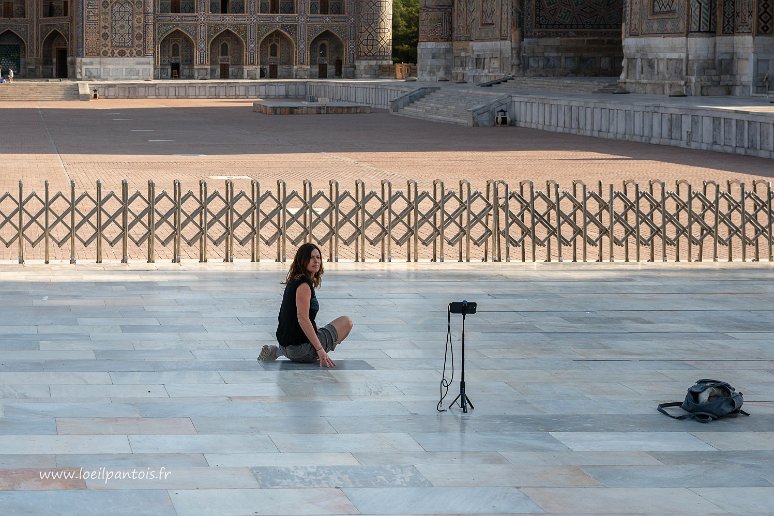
{"type": "Point", "coordinates": [176, 56]}
{"type": "Point", "coordinates": [13, 53]}
{"type": "Point", "coordinates": [55, 56]}
{"type": "Point", "coordinates": [326, 56]}
{"type": "Point", "coordinates": [277, 56]}
{"type": "Point", "coordinates": [227, 53]}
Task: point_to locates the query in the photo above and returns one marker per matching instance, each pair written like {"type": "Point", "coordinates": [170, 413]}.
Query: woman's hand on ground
{"type": "Point", "coordinates": [325, 359]}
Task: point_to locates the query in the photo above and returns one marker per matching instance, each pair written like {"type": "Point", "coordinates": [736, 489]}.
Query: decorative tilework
{"type": "Point", "coordinates": [148, 28]}
{"type": "Point", "coordinates": [744, 16]}
{"type": "Point", "coordinates": [702, 16]}
{"type": "Point", "coordinates": [488, 9]}
{"type": "Point", "coordinates": [121, 27]}
{"type": "Point", "coordinates": [765, 17]}
{"type": "Point", "coordinates": [314, 30]}
{"type": "Point", "coordinates": [593, 18]}
{"type": "Point", "coordinates": [460, 31]}
{"type": "Point", "coordinates": [162, 29]}
{"type": "Point", "coordinates": [49, 28]}
{"type": "Point", "coordinates": [375, 29]}
{"type": "Point", "coordinates": [239, 29]}
{"type": "Point", "coordinates": [91, 32]}
{"type": "Point", "coordinates": [643, 22]}
{"type": "Point", "coordinates": [728, 16]}
{"type": "Point", "coordinates": [664, 6]}
{"type": "Point", "coordinates": [435, 24]}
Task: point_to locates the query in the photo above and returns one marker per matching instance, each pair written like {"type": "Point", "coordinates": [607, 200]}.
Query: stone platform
{"type": "Point", "coordinates": [138, 370]}
{"type": "Point", "coordinates": [299, 107]}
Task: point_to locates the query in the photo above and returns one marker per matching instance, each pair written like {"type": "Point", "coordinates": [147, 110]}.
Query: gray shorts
{"type": "Point", "coordinates": [329, 338]}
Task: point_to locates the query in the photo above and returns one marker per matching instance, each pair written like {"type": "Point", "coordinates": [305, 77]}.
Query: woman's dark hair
{"type": "Point", "coordinates": [298, 267]}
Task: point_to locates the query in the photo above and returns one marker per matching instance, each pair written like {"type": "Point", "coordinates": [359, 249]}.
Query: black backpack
{"type": "Point", "coordinates": [708, 400]}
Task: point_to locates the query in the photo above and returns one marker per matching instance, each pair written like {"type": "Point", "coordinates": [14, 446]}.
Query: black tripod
{"type": "Point", "coordinates": [464, 309]}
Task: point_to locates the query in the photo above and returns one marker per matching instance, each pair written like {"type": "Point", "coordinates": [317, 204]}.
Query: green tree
{"type": "Point", "coordinates": [405, 30]}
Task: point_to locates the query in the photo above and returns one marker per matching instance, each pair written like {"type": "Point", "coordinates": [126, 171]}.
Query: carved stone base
{"type": "Point", "coordinates": [114, 68]}
{"type": "Point", "coordinates": [435, 61]}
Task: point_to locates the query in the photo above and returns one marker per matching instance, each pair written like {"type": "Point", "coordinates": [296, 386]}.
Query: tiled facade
{"type": "Point", "coordinates": [195, 39]}
{"type": "Point", "coordinates": [692, 47]}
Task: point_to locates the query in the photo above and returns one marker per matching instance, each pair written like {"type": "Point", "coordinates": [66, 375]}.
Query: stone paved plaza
{"type": "Point", "coordinates": [190, 139]}
{"type": "Point", "coordinates": [112, 369]}
{"type": "Point", "coordinates": [195, 139]}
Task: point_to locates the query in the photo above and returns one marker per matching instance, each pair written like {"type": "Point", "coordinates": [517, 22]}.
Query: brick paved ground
{"type": "Point", "coordinates": [190, 140]}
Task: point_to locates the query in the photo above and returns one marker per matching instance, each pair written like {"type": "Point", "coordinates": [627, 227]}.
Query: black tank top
{"type": "Point", "coordinates": [289, 332]}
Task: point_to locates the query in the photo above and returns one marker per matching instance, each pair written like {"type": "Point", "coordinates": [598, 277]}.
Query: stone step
{"type": "Point", "coordinates": [23, 90]}
{"type": "Point", "coordinates": [452, 116]}
{"type": "Point", "coordinates": [448, 106]}
{"type": "Point", "coordinates": [434, 118]}
{"type": "Point", "coordinates": [558, 84]}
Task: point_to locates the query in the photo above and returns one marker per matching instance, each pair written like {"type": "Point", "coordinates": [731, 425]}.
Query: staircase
{"type": "Point", "coordinates": [576, 85]}
{"type": "Point", "coordinates": [448, 105]}
{"type": "Point", "coordinates": [38, 90]}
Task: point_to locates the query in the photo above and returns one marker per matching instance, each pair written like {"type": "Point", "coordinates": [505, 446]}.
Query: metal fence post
{"type": "Point", "coordinates": [203, 220]}
{"type": "Point", "coordinates": [20, 232]}
{"type": "Point", "coordinates": [416, 222]}
{"type": "Point", "coordinates": [72, 221]}
{"type": "Point", "coordinates": [689, 205]}
{"type": "Point", "coordinates": [387, 220]}
{"type": "Point", "coordinates": [611, 230]}
{"type": "Point", "coordinates": [151, 221]}
{"type": "Point", "coordinates": [282, 243]}
{"type": "Point", "coordinates": [99, 221]}
{"type": "Point", "coordinates": [442, 219]}
{"type": "Point", "coordinates": [46, 227]}
{"type": "Point", "coordinates": [533, 226]}
{"type": "Point", "coordinates": [558, 222]}
{"type": "Point", "coordinates": [176, 238]}
{"type": "Point", "coordinates": [663, 221]}
{"type": "Point", "coordinates": [125, 221]}
{"type": "Point", "coordinates": [229, 255]}
{"type": "Point", "coordinates": [637, 222]}
{"type": "Point", "coordinates": [331, 223]}
{"type": "Point", "coordinates": [742, 199]}
{"type": "Point", "coordinates": [769, 220]}
{"type": "Point", "coordinates": [548, 223]}
{"type": "Point", "coordinates": [362, 216]}
{"type": "Point", "coordinates": [255, 217]}
{"type": "Point", "coordinates": [507, 219]}
{"type": "Point", "coordinates": [585, 221]}
{"type": "Point", "coordinates": [462, 225]}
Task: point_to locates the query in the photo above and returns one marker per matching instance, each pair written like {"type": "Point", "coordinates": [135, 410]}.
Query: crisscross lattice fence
{"type": "Point", "coordinates": [498, 222]}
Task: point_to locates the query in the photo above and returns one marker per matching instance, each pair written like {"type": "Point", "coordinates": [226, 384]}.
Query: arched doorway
{"type": "Point", "coordinates": [55, 55]}
{"type": "Point", "coordinates": [12, 52]}
{"type": "Point", "coordinates": [277, 56]}
{"type": "Point", "coordinates": [326, 55]}
{"type": "Point", "coordinates": [227, 56]}
{"type": "Point", "coordinates": [176, 56]}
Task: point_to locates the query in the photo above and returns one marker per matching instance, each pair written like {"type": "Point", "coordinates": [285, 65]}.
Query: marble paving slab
{"type": "Point", "coordinates": [151, 366]}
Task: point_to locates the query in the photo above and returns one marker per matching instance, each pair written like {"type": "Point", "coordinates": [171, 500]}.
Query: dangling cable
{"type": "Point", "coordinates": [444, 387]}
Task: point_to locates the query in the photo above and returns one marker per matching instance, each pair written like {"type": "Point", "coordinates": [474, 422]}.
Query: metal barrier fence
{"type": "Point", "coordinates": [501, 222]}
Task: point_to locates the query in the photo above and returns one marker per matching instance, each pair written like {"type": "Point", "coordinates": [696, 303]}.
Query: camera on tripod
{"type": "Point", "coordinates": [462, 307]}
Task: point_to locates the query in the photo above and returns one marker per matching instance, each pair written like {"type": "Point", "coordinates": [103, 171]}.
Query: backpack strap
{"type": "Point", "coordinates": [701, 417]}
{"type": "Point", "coordinates": [662, 406]}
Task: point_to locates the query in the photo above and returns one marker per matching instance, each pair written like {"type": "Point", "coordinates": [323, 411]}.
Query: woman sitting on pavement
{"type": "Point", "coordinates": [297, 334]}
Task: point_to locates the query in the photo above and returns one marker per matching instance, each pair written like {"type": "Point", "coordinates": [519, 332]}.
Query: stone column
{"type": "Point", "coordinates": [434, 53]}
{"type": "Point", "coordinates": [374, 37]}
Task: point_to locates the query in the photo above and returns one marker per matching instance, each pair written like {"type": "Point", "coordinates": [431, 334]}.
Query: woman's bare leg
{"type": "Point", "coordinates": [343, 326]}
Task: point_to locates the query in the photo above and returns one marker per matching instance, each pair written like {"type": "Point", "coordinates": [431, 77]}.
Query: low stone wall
{"type": "Point", "coordinates": [374, 94]}
{"type": "Point", "coordinates": [722, 130]}
{"type": "Point", "coordinates": [199, 89]}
